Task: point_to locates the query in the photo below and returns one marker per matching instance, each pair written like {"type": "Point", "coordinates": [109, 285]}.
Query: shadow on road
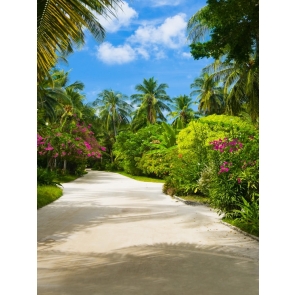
{"type": "Point", "coordinates": [157, 269]}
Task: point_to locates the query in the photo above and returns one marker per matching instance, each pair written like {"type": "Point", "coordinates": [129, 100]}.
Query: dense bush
{"type": "Point", "coordinates": [185, 170]}
{"type": "Point", "coordinates": [235, 172]}
{"type": "Point", "coordinates": [130, 147]}
{"type": "Point", "coordinates": [217, 157]}
{"type": "Point", "coordinates": [157, 163]}
{"type": "Point", "coordinates": [46, 177]}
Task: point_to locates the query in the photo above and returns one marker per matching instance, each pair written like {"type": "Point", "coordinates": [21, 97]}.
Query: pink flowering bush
{"type": "Point", "coordinates": [234, 172]}
{"type": "Point", "coordinates": [74, 145]}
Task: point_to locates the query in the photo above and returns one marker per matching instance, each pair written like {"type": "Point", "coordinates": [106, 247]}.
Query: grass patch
{"type": "Point", "coordinates": [47, 194]}
{"type": "Point", "coordinates": [198, 199]}
{"type": "Point", "coordinates": [141, 178]}
{"type": "Point", "coordinates": [243, 226]}
{"type": "Point", "coordinates": [66, 178]}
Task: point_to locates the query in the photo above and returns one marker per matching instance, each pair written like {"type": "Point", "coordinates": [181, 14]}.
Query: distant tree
{"type": "Point", "coordinates": [209, 95]}
{"type": "Point", "coordinates": [151, 100]}
{"type": "Point", "coordinates": [182, 112]}
{"type": "Point", "coordinates": [113, 109]}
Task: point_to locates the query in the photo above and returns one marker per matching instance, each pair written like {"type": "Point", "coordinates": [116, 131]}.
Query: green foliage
{"type": "Point", "coordinates": [151, 99]}
{"type": "Point", "coordinates": [158, 162]}
{"type": "Point", "coordinates": [233, 27]}
{"type": "Point", "coordinates": [130, 147]}
{"type": "Point", "coordinates": [200, 133]}
{"type": "Point", "coordinates": [235, 173]}
{"type": "Point", "coordinates": [218, 157]}
{"type": "Point", "coordinates": [169, 135]}
{"type": "Point", "coordinates": [185, 170]}
{"type": "Point", "coordinates": [46, 177]}
{"type": "Point", "coordinates": [47, 194]}
{"type": "Point", "coordinates": [249, 214]}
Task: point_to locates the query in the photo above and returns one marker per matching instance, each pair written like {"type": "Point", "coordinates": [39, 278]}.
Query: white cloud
{"type": "Point", "coordinates": [157, 3]}
{"type": "Point", "coordinates": [109, 54]}
{"type": "Point", "coordinates": [143, 52]}
{"type": "Point", "coordinates": [148, 41]}
{"type": "Point", "coordinates": [124, 14]}
{"type": "Point", "coordinates": [186, 55]}
{"type": "Point", "coordinates": [170, 34]}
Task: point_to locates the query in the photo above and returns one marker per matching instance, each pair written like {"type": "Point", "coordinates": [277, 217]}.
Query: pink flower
{"type": "Point", "coordinates": [103, 148]}
{"type": "Point", "coordinates": [239, 180]}
{"type": "Point", "coordinates": [49, 147]}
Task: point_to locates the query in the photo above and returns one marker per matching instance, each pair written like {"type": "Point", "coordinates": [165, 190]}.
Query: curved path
{"type": "Point", "coordinates": [112, 235]}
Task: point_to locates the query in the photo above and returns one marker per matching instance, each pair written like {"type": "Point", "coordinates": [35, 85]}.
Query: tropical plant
{"type": "Point", "coordinates": [240, 85]}
{"type": "Point", "coordinates": [209, 95]}
{"type": "Point", "coordinates": [182, 112]}
{"type": "Point", "coordinates": [228, 27]}
{"type": "Point", "coordinates": [46, 177]}
{"type": "Point", "coordinates": [248, 214]}
{"type": "Point", "coordinates": [130, 146]}
{"type": "Point", "coordinates": [151, 100]}
{"type": "Point", "coordinates": [195, 170]}
{"type": "Point", "coordinates": [61, 24]}
{"type": "Point", "coordinates": [113, 109]}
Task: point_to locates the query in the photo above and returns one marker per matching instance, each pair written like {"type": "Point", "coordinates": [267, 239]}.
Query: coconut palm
{"type": "Point", "coordinates": [241, 85]}
{"type": "Point", "coordinates": [60, 25]}
{"type": "Point", "coordinates": [209, 94]}
{"type": "Point", "coordinates": [197, 28]}
{"type": "Point", "coordinates": [59, 100]}
{"type": "Point", "coordinates": [151, 100]}
{"type": "Point", "coordinates": [113, 109]}
{"type": "Point", "coordinates": [52, 96]}
{"type": "Point", "coordinates": [182, 112]}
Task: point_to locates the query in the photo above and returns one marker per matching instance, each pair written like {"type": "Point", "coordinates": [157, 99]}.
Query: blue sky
{"type": "Point", "coordinates": [148, 39]}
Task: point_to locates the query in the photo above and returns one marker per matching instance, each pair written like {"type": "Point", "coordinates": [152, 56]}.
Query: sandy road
{"type": "Point", "coordinates": [111, 235]}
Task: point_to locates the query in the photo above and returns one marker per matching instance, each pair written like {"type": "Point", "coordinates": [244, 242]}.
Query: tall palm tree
{"type": "Point", "coordinates": [241, 85]}
{"type": "Point", "coordinates": [59, 100]}
{"type": "Point", "coordinates": [113, 109]}
{"type": "Point", "coordinates": [182, 112]}
{"type": "Point", "coordinates": [52, 96]}
{"type": "Point", "coordinates": [151, 101]}
{"type": "Point", "coordinates": [60, 25]}
{"type": "Point", "coordinates": [197, 28]}
{"type": "Point", "coordinates": [209, 94]}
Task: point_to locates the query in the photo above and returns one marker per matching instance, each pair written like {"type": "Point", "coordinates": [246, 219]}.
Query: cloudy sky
{"type": "Point", "coordinates": [147, 39]}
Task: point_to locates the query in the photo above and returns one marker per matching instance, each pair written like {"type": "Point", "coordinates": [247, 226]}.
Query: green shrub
{"type": "Point", "coordinates": [235, 172]}
{"type": "Point", "coordinates": [225, 176]}
{"type": "Point", "coordinates": [46, 177]}
{"type": "Point", "coordinates": [249, 213]}
{"type": "Point", "coordinates": [130, 147]}
{"type": "Point", "coordinates": [157, 163]}
{"type": "Point", "coordinates": [185, 170]}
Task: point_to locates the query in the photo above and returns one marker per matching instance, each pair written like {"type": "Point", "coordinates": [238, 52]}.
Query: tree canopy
{"type": "Point", "coordinates": [231, 28]}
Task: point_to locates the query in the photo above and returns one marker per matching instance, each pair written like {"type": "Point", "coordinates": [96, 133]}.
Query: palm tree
{"type": "Point", "coordinates": [52, 96]}
{"type": "Point", "coordinates": [151, 99]}
{"type": "Point", "coordinates": [113, 109]}
{"type": "Point", "coordinates": [60, 25]}
{"type": "Point", "coordinates": [57, 99]}
{"type": "Point", "coordinates": [182, 112]}
{"type": "Point", "coordinates": [197, 28]}
{"type": "Point", "coordinates": [241, 85]}
{"type": "Point", "coordinates": [209, 94]}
